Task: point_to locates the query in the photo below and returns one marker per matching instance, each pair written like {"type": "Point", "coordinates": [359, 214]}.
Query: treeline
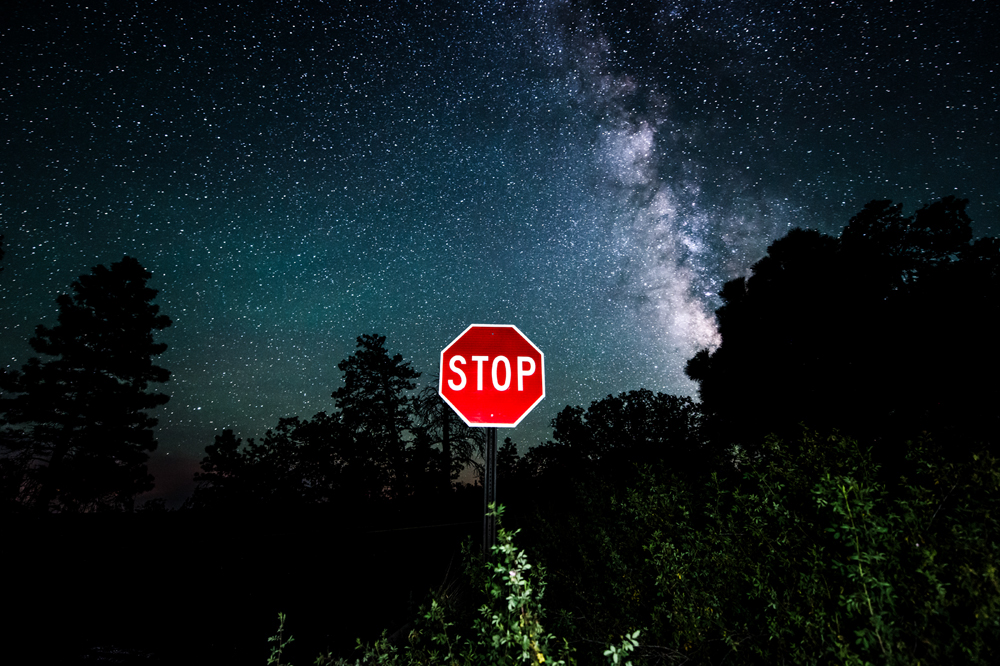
{"type": "Point", "coordinates": [835, 496]}
{"type": "Point", "coordinates": [385, 442]}
{"type": "Point", "coordinates": [831, 498]}
{"type": "Point", "coordinates": [839, 501]}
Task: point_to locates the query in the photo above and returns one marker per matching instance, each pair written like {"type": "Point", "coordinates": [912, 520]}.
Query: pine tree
{"type": "Point", "coordinates": [84, 410]}
{"type": "Point", "coordinates": [375, 408]}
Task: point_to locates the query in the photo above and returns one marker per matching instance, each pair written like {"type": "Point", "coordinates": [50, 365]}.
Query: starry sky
{"type": "Point", "coordinates": [296, 174]}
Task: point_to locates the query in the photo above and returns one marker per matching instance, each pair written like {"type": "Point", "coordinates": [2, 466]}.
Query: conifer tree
{"type": "Point", "coordinates": [83, 411]}
{"type": "Point", "coordinates": [375, 408]}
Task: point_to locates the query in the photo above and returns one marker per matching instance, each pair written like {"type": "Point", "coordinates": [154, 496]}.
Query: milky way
{"type": "Point", "coordinates": [298, 174]}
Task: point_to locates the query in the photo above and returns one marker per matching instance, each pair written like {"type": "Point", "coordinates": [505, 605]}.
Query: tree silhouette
{"type": "Point", "coordinates": [860, 333]}
{"type": "Point", "coordinates": [375, 411]}
{"type": "Point", "coordinates": [298, 463]}
{"type": "Point", "coordinates": [605, 448]}
{"type": "Point", "coordinates": [368, 450]}
{"type": "Point", "coordinates": [82, 414]}
{"type": "Point", "coordinates": [15, 455]}
{"type": "Point", "coordinates": [444, 428]}
{"type": "Point", "coordinates": [617, 432]}
{"type": "Point", "coordinates": [221, 483]}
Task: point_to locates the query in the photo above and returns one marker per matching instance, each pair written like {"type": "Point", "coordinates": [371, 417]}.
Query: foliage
{"type": "Point", "coordinates": [633, 427]}
{"type": "Point", "coordinates": [598, 451]}
{"type": "Point", "coordinates": [873, 574]}
{"type": "Point", "coordinates": [618, 653]}
{"type": "Point", "coordinates": [222, 479]}
{"type": "Point", "coordinates": [641, 556]}
{"type": "Point", "coordinates": [506, 628]}
{"type": "Point", "coordinates": [861, 333]}
{"type": "Point", "coordinates": [298, 463]}
{"type": "Point", "coordinates": [373, 447]}
{"type": "Point", "coordinates": [280, 643]}
{"type": "Point", "coordinates": [436, 421]}
{"type": "Point", "coordinates": [809, 558]}
{"type": "Point", "coordinates": [374, 407]}
{"type": "Point", "coordinates": [83, 414]}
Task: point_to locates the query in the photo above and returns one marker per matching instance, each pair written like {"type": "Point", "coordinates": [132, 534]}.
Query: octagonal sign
{"type": "Point", "coordinates": [492, 375]}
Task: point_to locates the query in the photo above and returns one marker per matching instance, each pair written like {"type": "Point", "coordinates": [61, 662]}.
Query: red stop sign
{"type": "Point", "coordinates": [492, 375]}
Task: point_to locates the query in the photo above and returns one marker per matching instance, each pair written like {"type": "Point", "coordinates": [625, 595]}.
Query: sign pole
{"type": "Point", "coordinates": [490, 494]}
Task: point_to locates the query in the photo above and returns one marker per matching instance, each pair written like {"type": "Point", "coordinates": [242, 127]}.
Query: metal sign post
{"type": "Point", "coordinates": [490, 494]}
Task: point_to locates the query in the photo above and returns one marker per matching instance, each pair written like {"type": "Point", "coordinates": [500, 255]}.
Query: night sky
{"type": "Point", "coordinates": [297, 174]}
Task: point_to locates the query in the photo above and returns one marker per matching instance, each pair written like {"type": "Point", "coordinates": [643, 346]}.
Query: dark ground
{"type": "Point", "coordinates": [187, 588]}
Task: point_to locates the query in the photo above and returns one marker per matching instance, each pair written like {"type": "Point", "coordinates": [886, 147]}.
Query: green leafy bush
{"type": "Point", "coordinates": [852, 571]}
{"type": "Point", "coordinates": [812, 555]}
{"type": "Point", "coordinates": [505, 628]}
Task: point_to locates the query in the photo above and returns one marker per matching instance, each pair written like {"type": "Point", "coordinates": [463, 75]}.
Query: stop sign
{"type": "Point", "coordinates": [492, 375]}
